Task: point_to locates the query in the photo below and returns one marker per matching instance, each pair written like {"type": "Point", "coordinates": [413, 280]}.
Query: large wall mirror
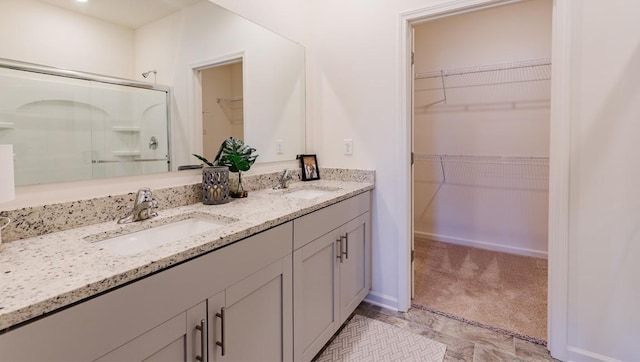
{"type": "Point", "coordinates": [226, 75]}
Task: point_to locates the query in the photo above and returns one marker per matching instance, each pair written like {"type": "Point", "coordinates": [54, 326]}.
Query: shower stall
{"type": "Point", "coordinates": [68, 126]}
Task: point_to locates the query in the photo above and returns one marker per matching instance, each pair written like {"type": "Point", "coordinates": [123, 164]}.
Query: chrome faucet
{"type": "Point", "coordinates": [282, 181]}
{"type": "Point", "coordinates": [143, 207]}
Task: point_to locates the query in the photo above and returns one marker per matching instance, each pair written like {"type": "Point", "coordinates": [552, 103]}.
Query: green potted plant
{"type": "Point", "coordinates": [238, 157]}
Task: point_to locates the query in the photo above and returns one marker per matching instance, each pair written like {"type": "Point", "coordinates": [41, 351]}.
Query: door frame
{"type": "Point", "coordinates": [559, 163]}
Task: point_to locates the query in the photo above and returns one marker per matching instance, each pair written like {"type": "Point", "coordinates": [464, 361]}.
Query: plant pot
{"type": "Point", "coordinates": [238, 194]}
{"type": "Point", "coordinates": [215, 185]}
{"type": "Point", "coordinates": [237, 191]}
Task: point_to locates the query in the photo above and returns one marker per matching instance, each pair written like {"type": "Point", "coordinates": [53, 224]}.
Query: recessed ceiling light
{"type": "Point", "coordinates": [82, 1]}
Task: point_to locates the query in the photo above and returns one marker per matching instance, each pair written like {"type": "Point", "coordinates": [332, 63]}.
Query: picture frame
{"type": "Point", "coordinates": [309, 165]}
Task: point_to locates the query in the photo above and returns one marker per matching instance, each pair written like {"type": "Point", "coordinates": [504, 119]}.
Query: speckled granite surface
{"type": "Point", "coordinates": [29, 222]}
{"type": "Point", "coordinates": [341, 174]}
{"type": "Point", "coordinates": [41, 274]}
{"type": "Point", "coordinates": [35, 221]}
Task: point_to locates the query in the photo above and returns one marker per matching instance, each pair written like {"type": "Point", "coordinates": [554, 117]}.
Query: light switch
{"type": "Point", "coordinates": [348, 146]}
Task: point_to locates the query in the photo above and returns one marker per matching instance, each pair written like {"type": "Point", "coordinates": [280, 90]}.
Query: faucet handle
{"type": "Point", "coordinates": [143, 207]}
{"type": "Point", "coordinates": [152, 208]}
{"type": "Point", "coordinates": [282, 181]}
{"type": "Point", "coordinates": [144, 194]}
{"type": "Point", "coordinates": [153, 203]}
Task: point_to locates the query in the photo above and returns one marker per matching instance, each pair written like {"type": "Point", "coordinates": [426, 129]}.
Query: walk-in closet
{"type": "Point", "coordinates": [481, 166]}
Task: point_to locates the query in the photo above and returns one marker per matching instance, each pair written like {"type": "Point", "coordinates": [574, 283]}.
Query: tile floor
{"type": "Point", "coordinates": [464, 342]}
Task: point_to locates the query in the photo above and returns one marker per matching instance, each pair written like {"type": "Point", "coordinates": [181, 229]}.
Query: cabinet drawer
{"type": "Point", "coordinates": [310, 227]}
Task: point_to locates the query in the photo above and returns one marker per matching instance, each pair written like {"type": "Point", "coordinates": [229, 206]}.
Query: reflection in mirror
{"type": "Point", "coordinates": [68, 129]}
{"type": "Point", "coordinates": [222, 100]}
{"type": "Point", "coordinates": [203, 35]}
{"type": "Point", "coordinates": [180, 40]}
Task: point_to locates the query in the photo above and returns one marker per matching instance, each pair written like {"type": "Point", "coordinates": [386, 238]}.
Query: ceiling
{"type": "Point", "coordinates": [130, 13]}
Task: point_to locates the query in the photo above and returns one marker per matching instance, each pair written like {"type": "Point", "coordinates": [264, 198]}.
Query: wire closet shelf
{"type": "Point", "coordinates": [500, 74]}
{"type": "Point", "coordinates": [496, 160]}
{"type": "Point", "coordinates": [230, 99]}
{"type": "Point", "coordinates": [491, 171]}
{"type": "Point", "coordinates": [529, 69]}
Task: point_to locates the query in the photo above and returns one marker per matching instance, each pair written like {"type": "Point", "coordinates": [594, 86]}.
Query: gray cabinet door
{"type": "Point", "coordinates": [252, 319]}
{"type": "Point", "coordinates": [177, 339]}
{"type": "Point", "coordinates": [354, 267]}
{"type": "Point", "coordinates": [315, 270]}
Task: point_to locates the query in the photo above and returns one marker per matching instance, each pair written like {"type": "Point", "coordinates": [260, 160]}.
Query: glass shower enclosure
{"type": "Point", "coordinates": [69, 126]}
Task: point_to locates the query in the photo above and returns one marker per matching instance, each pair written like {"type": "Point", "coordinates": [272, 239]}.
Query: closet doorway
{"type": "Point", "coordinates": [481, 121]}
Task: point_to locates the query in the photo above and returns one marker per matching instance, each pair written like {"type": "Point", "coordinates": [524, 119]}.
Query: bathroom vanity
{"type": "Point", "coordinates": [273, 281]}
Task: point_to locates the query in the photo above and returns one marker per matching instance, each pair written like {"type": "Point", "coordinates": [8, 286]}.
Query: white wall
{"type": "Point", "coordinates": [604, 245]}
{"type": "Point", "coordinates": [285, 17]}
{"type": "Point", "coordinates": [476, 201]}
{"type": "Point", "coordinates": [36, 32]}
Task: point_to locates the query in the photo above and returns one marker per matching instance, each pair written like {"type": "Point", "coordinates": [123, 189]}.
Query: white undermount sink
{"type": "Point", "coordinates": [134, 242]}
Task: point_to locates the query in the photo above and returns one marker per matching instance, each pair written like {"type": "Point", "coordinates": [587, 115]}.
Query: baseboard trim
{"type": "Point", "coordinates": [579, 354]}
{"type": "Point", "coordinates": [482, 245]}
{"type": "Point", "coordinates": [382, 300]}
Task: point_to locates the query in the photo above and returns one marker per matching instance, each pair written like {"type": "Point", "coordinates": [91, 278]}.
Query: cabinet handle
{"type": "Point", "coordinates": [339, 251]}
{"type": "Point", "coordinates": [346, 241]}
{"type": "Point", "coordinates": [203, 341]}
{"type": "Point", "coordinates": [221, 342]}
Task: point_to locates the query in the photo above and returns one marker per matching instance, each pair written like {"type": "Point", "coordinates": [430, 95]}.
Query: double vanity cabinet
{"type": "Point", "coordinates": [278, 295]}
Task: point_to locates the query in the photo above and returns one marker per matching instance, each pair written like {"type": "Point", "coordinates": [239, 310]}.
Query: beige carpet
{"type": "Point", "coordinates": [504, 291]}
{"type": "Point", "coordinates": [365, 339]}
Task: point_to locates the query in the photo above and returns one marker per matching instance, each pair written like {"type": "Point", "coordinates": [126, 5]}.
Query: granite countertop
{"type": "Point", "coordinates": [42, 274]}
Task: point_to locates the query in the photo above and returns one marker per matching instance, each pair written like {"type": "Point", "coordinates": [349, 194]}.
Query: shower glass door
{"type": "Point", "coordinates": [67, 129]}
{"type": "Point", "coordinates": [129, 137]}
